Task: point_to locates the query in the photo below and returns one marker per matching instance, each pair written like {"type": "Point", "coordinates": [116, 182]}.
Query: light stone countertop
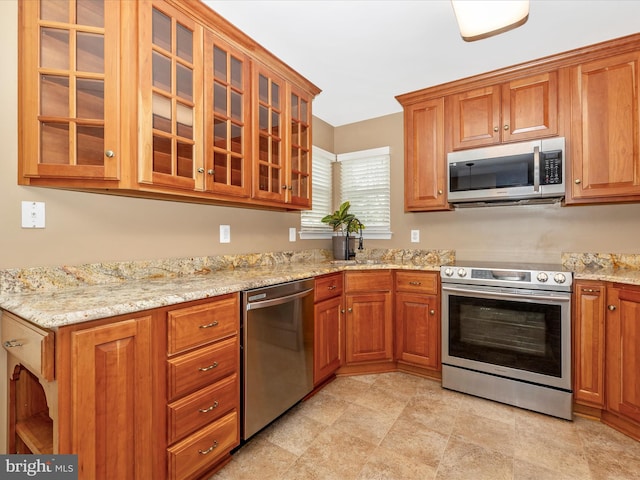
{"type": "Point", "coordinates": [90, 300]}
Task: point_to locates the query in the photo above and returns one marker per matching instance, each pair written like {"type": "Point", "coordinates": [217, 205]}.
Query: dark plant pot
{"type": "Point", "coordinates": [339, 252]}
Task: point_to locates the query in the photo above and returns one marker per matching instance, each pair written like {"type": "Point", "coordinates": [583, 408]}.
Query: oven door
{"type": "Point", "coordinates": [513, 333]}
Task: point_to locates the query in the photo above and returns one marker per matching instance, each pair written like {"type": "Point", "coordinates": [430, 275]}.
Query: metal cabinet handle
{"type": "Point", "coordinates": [342, 310]}
{"type": "Point", "coordinates": [415, 283]}
{"type": "Point", "coordinates": [209, 325]}
{"type": "Point", "coordinates": [109, 154]}
{"type": "Point", "coordinates": [506, 127]}
{"type": "Point", "coordinates": [611, 307]}
{"type": "Point", "coordinates": [350, 309]}
{"type": "Point", "coordinates": [206, 369]}
{"type": "Point", "coordinates": [12, 343]}
{"type": "Point", "coordinates": [332, 287]}
{"type": "Point", "coordinates": [205, 410]}
{"type": "Point", "coordinates": [440, 192]}
{"type": "Point", "coordinates": [577, 181]}
{"type": "Point", "coordinates": [210, 449]}
{"type": "Point", "coordinates": [591, 290]}
{"type": "Point", "coordinates": [495, 129]}
{"type": "Point", "coordinates": [432, 312]}
{"type": "Point", "coordinates": [200, 170]}
{"type": "Point", "coordinates": [210, 171]}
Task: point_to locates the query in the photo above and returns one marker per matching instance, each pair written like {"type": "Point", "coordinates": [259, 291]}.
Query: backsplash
{"type": "Point", "coordinates": [579, 261]}
{"type": "Point", "coordinates": [22, 280]}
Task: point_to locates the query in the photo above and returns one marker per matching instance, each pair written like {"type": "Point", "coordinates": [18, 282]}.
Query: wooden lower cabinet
{"type": "Point", "coordinates": [622, 362]}
{"type": "Point", "coordinates": [588, 342]}
{"type": "Point", "coordinates": [328, 339]}
{"type": "Point", "coordinates": [417, 319]}
{"type": "Point", "coordinates": [369, 320]}
{"type": "Point", "coordinates": [106, 398]}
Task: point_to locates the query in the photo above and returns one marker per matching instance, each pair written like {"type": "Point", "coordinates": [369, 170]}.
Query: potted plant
{"type": "Point", "coordinates": [344, 224]}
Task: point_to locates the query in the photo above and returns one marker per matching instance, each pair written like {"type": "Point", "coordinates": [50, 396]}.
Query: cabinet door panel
{"type": "Point", "coordinates": [588, 343]}
{"type": "Point", "coordinates": [328, 338]}
{"type": "Point", "coordinates": [425, 172]}
{"type": "Point", "coordinates": [111, 398]}
{"type": "Point", "coordinates": [623, 353]}
{"type": "Point", "coordinates": [418, 329]}
{"type": "Point", "coordinates": [606, 130]}
{"type": "Point", "coordinates": [369, 332]}
{"type": "Point", "coordinates": [475, 118]}
{"type": "Point", "coordinates": [530, 108]}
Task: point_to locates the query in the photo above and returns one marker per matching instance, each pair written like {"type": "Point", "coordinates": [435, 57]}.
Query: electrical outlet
{"type": "Point", "coordinates": [415, 236]}
{"type": "Point", "coordinates": [225, 234]}
{"type": "Point", "coordinates": [33, 215]}
{"type": "Point", "coordinates": [292, 234]}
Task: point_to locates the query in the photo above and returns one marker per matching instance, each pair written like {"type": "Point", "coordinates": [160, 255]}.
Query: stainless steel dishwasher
{"type": "Point", "coordinates": [277, 351]}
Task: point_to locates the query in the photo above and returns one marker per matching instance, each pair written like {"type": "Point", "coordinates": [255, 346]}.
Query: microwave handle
{"type": "Point", "coordinates": [536, 169]}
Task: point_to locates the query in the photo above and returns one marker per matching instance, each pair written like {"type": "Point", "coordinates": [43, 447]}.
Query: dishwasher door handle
{"type": "Point", "coordinates": [277, 301]}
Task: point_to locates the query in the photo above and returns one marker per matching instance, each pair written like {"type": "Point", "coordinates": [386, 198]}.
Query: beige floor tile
{"type": "Point", "coordinates": [488, 409]}
{"type": "Point", "coordinates": [347, 388]}
{"type": "Point", "coordinates": [523, 470]}
{"type": "Point", "coordinates": [323, 407]}
{"type": "Point", "coordinates": [465, 460]}
{"type": "Point", "coordinates": [384, 464]}
{"type": "Point", "coordinates": [486, 432]}
{"type": "Point", "coordinates": [415, 441]}
{"type": "Point", "coordinates": [431, 413]}
{"type": "Point", "coordinates": [293, 432]}
{"type": "Point", "coordinates": [378, 398]}
{"type": "Point", "coordinates": [365, 423]}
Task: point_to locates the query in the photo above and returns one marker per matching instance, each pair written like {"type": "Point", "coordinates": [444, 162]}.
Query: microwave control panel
{"type": "Point", "coordinates": [551, 167]}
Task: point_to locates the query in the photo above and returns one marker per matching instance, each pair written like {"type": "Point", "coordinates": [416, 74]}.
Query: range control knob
{"type": "Point", "coordinates": [462, 273]}
{"type": "Point", "coordinates": [559, 278]}
{"type": "Point", "coordinates": [448, 272]}
{"type": "Point", "coordinates": [542, 277]}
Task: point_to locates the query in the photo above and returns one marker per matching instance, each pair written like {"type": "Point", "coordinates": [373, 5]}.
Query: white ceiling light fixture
{"type": "Point", "coordinates": [479, 19]}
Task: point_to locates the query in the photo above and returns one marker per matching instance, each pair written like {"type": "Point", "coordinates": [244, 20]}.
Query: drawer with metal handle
{"type": "Point", "coordinates": [191, 371]}
{"type": "Point", "coordinates": [30, 345]}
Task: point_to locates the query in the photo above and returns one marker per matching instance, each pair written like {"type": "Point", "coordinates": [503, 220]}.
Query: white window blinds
{"type": "Point", "coordinates": [321, 196]}
{"type": "Point", "coordinates": [365, 182]}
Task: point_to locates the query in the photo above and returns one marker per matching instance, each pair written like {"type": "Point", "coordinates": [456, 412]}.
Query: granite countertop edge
{"type": "Point", "coordinates": [62, 307]}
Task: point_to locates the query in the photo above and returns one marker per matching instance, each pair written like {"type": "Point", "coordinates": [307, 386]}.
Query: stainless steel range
{"type": "Point", "coordinates": [506, 334]}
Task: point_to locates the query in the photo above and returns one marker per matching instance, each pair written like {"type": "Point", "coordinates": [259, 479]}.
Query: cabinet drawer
{"type": "Point", "coordinates": [377, 280]}
{"type": "Point", "coordinates": [202, 407]}
{"type": "Point", "coordinates": [418, 282]}
{"type": "Point", "coordinates": [203, 449]}
{"type": "Point", "coordinates": [191, 371]}
{"type": "Point", "coordinates": [193, 326]}
{"type": "Point", "coordinates": [328, 286]}
{"type": "Point", "coordinates": [31, 345]}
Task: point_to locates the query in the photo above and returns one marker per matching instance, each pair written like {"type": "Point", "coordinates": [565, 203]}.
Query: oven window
{"type": "Point", "coordinates": [520, 335]}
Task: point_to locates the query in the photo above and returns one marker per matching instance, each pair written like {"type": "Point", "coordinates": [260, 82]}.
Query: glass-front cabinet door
{"type": "Point", "coordinates": [299, 184]}
{"type": "Point", "coordinates": [269, 173]}
{"type": "Point", "coordinates": [227, 168]}
{"type": "Point", "coordinates": [69, 110]}
{"type": "Point", "coordinates": [171, 77]}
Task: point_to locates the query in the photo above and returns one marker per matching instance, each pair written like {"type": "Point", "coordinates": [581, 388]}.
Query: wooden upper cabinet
{"type": "Point", "coordinates": [605, 131]}
{"type": "Point", "coordinates": [227, 168]}
{"type": "Point", "coordinates": [299, 172]}
{"type": "Point", "coordinates": [68, 90]}
{"type": "Point", "coordinates": [171, 79]}
{"type": "Point", "coordinates": [424, 160]}
{"type": "Point", "coordinates": [517, 110]}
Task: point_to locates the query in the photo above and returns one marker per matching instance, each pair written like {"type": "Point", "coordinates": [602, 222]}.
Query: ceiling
{"type": "Point", "coordinates": [362, 53]}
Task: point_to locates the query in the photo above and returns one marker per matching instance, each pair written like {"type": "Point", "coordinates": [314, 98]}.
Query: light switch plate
{"type": "Point", "coordinates": [292, 234]}
{"type": "Point", "coordinates": [415, 236]}
{"type": "Point", "coordinates": [225, 234]}
{"type": "Point", "coordinates": [33, 215]}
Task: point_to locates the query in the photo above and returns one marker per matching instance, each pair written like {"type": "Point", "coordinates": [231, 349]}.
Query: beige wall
{"type": "Point", "coordinates": [85, 228]}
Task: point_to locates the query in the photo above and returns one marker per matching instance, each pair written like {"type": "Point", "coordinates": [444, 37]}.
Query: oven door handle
{"type": "Point", "coordinates": [278, 300]}
{"type": "Point", "coordinates": [503, 294]}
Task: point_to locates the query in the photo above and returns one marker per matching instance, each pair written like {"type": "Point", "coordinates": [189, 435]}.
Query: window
{"type": "Point", "coordinates": [363, 179]}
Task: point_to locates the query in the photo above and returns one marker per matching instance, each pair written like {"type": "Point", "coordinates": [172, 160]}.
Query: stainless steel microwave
{"type": "Point", "coordinates": [510, 172]}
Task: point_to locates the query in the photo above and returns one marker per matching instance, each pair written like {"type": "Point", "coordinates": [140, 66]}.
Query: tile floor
{"type": "Point", "coordinates": [399, 426]}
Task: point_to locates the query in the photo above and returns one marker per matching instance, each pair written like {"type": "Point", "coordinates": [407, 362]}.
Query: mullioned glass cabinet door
{"type": "Point", "coordinates": [227, 166]}
{"type": "Point", "coordinates": [299, 184]}
{"type": "Point", "coordinates": [68, 92]}
{"type": "Point", "coordinates": [170, 75]}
